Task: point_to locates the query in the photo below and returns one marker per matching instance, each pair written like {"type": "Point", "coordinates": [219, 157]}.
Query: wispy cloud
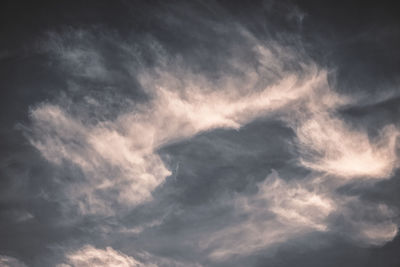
{"type": "Point", "coordinates": [7, 261]}
{"type": "Point", "coordinates": [91, 256]}
{"type": "Point", "coordinates": [279, 211]}
{"type": "Point", "coordinates": [283, 210]}
{"type": "Point", "coordinates": [121, 154]}
{"type": "Point", "coordinates": [121, 168]}
{"type": "Point", "coordinates": [329, 145]}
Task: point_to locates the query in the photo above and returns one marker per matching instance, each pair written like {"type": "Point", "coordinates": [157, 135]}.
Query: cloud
{"type": "Point", "coordinates": [118, 156]}
{"type": "Point", "coordinates": [199, 133]}
{"type": "Point", "coordinates": [329, 145]}
{"type": "Point", "coordinates": [19, 215]}
{"type": "Point", "coordinates": [108, 158]}
{"type": "Point", "coordinates": [114, 146]}
{"type": "Point", "coordinates": [91, 256]}
{"type": "Point", "coordinates": [6, 261]}
{"type": "Point", "coordinates": [282, 210]}
{"type": "Point", "coordinates": [74, 52]}
{"type": "Point", "coordinates": [279, 211]}
{"type": "Point", "coordinates": [364, 222]}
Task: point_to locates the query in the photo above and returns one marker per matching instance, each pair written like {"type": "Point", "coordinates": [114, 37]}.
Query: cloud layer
{"type": "Point", "coordinates": [121, 166]}
{"type": "Point", "coordinates": [198, 135]}
{"type": "Point", "coordinates": [121, 153]}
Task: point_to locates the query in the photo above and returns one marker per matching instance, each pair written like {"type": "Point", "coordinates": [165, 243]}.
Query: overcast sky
{"type": "Point", "coordinates": [199, 133]}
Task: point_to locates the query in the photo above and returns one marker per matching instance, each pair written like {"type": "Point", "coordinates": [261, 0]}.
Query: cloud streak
{"type": "Point", "coordinates": [7, 261]}
{"type": "Point", "coordinates": [279, 211]}
{"type": "Point", "coordinates": [282, 210]}
{"type": "Point", "coordinates": [90, 256]}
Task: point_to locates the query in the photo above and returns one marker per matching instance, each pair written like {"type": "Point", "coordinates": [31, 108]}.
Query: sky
{"type": "Point", "coordinates": [199, 133]}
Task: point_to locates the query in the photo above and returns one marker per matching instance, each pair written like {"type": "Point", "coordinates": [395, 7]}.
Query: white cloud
{"type": "Point", "coordinates": [283, 210]}
{"type": "Point", "coordinates": [119, 159]}
{"type": "Point", "coordinates": [91, 256]}
{"type": "Point", "coordinates": [329, 145]}
{"type": "Point", "coordinates": [6, 261]}
{"type": "Point", "coordinates": [108, 158]}
{"type": "Point", "coordinates": [277, 212]}
{"type": "Point", "coordinates": [120, 155]}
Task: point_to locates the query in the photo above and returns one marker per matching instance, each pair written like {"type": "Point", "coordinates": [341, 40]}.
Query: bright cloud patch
{"type": "Point", "coordinates": [283, 210]}
{"type": "Point", "coordinates": [277, 212]}
{"type": "Point", "coordinates": [91, 256]}
{"type": "Point", "coordinates": [330, 146]}
{"type": "Point", "coordinates": [6, 261]}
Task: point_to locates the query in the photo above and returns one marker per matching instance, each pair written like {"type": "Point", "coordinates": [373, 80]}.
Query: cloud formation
{"type": "Point", "coordinates": [331, 146]}
{"type": "Point", "coordinates": [6, 261]}
{"type": "Point", "coordinates": [91, 256]}
{"type": "Point", "coordinates": [121, 154]}
{"type": "Point", "coordinates": [283, 210]}
{"type": "Point", "coordinates": [112, 142]}
{"type": "Point", "coordinates": [279, 211]}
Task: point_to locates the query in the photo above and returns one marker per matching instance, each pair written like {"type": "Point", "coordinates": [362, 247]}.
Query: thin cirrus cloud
{"type": "Point", "coordinates": [277, 212]}
{"type": "Point", "coordinates": [7, 261]}
{"type": "Point", "coordinates": [283, 210]}
{"type": "Point", "coordinates": [121, 153]}
{"type": "Point", "coordinates": [337, 154]}
{"type": "Point", "coordinates": [121, 166]}
{"type": "Point", "coordinates": [91, 256]}
{"type": "Point", "coordinates": [330, 146]}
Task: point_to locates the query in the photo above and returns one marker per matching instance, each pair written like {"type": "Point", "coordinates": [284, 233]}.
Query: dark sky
{"type": "Point", "coordinates": [199, 133]}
